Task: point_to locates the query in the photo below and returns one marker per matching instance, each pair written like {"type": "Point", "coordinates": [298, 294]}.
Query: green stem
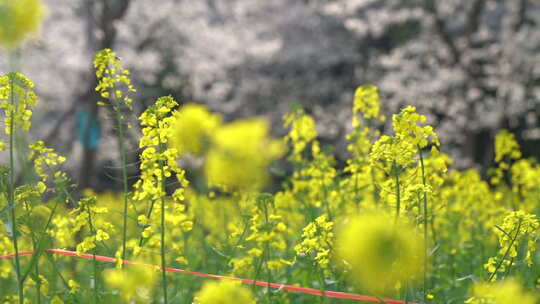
{"type": "Point", "coordinates": [426, 241]}
{"type": "Point", "coordinates": [398, 192]}
{"type": "Point", "coordinates": [148, 214]}
{"type": "Point", "coordinates": [94, 261]}
{"type": "Point", "coordinates": [505, 256]}
{"type": "Point", "coordinates": [257, 271]}
{"type": "Point", "coordinates": [11, 193]}
{"type": "Point", "coordinates": [163, 272]}
{"type": "Point", "coordinates": [268, 272]}
{"type": "Point", "coordinates": [237, 243]}
{"type": "Point", "coordinates": [36, 249]}
{"type": "Point", "coordinates": [38, 282]}
{"type": "Point", "coordinates": [124, 179]}
{"type": "Point", "coordinates": [325, 195]}
{"type": "Point", "coordinates": [74, 297]}
{"type": "Point", "coordinates": [356, 195]}
{"type": "Point", "coordinates": [322, 282]}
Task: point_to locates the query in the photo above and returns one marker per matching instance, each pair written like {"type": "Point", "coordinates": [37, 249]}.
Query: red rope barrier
{"type": "Point", "coordinates": [317, 292]}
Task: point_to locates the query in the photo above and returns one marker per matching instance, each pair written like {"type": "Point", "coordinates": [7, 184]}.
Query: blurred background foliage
{"type": "Point", "coordinates": [471, 66]}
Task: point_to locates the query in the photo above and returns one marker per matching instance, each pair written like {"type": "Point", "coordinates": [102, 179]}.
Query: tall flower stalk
{"type": "Point", "coordinates": [426, 221]}
{"type": "Point", "coordinates": [11, 193]}
{"type": "Point", "coordinates": [16, 98]}
{"type": "Point", "coordinates": [398, 153]}
{"type": "Point", "coordinates": [158, 162]}
{"type": "Point", "coordinates": [111, 78]}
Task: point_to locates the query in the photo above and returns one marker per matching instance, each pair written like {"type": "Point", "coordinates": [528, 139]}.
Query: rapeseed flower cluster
{"type": "Point", "coordinates": [17, 97]}
{"type": "Point", "coordinates": [317, 241]}
{"type": "Point", "coordinates": [86, 216]}
{"type": "Point", "coordinates": [43, 158]}
{"type": "Point", "coordinates": [517, 227]}
{"type": "Point", "coordinates": [265, 240]}
{"type": "Point", "coordinates": [302, 133]}
{"type": "Point", "coordinates": [506, 150]}
{"type": "Point", "coordinates": [367, 103]}
{"type": "Point", "coordinates": [111, 77]}
{"type": "Point", "coordinates": [398, 151]}
{"type": "Point", "coordinates": [157, 161]}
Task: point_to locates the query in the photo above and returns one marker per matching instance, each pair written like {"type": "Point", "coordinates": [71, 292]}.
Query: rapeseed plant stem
{"type": "Point", "coordinates": [322, 282]}
{"type": "Point", "coordinates": [55, 267]}
{"type": "Point", "coordinates": [11, 193]}
{"type": "Point", "coordinates": [110, 74]}
{"type": "Point", "coordinates": [267, 253]}
{"type": "Point", "coordinates": [148, 214]}
{"type": "Point", "coordinates": [94, 261]}
{"type": "Point", "coordinates": [237, 243]}
{"type": "Point", "coordinates": [124, 180]}
{"type": "Point", "coordinates": [257, 271]}
{"type": "Point", "coordinates": [163, 184]}
{"type": "Point", "coordinates": [398, 193]}
{"type": "Point", "coordinates": [163, 272]}
{"type": "Point", "coordinates": [38, 284]}
{"type": "Point", "coordinates": [505, 256]}
{"type": "Point", "coordinates": [426, 241]}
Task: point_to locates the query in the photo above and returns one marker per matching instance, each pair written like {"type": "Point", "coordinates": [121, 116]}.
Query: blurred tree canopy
{"type": "Point", "coordinates": [472, 66]}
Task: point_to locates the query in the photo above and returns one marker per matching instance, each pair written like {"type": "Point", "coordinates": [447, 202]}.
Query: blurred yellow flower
{"type": "Point", "coordinates": [241, 153]}
{"type": "Point", "coordinates": [380, 254]}
{"type": "Point", "coordinates": [224, 292]}
{"type": "Point", "coordinates": [508, 291]}
{"type": "Point", "coordinates": [134, 283]}
{"type": "Point", "coordinates": [17, 20]}
{"type": "Point", "coordinates": [74, 287]}
{"type": "Point", "coordinates": [192, 129]}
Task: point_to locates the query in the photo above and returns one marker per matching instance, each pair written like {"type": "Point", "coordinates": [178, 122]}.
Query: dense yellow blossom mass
{"type": "Point", "coordinates": [394, 219]}
{"type": "Point", "coordinates": [18, 19]}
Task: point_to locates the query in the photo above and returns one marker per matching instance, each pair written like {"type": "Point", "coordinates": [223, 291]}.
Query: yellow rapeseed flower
{"type": "Point", "coordinates": [380, 254]}
{"type": "Point", "coordinates": [303, 132]}
{"type": "Point", "coordinates": [407, 126]}
{"type": "Point", "coordinates": [18, 19]}
{"type": "Point", "coordinates": [506, 146]}
{"type": "Point", "coordinates": [317, 239]}
{"type": "Point", "coordinates": [111, 77]}
{"type": "Point", "coordinates": [366, 102]}
{"type": "Point", "coordinates": [17, 97]}
{"type": "Point", "coordinates": [224, 292]}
